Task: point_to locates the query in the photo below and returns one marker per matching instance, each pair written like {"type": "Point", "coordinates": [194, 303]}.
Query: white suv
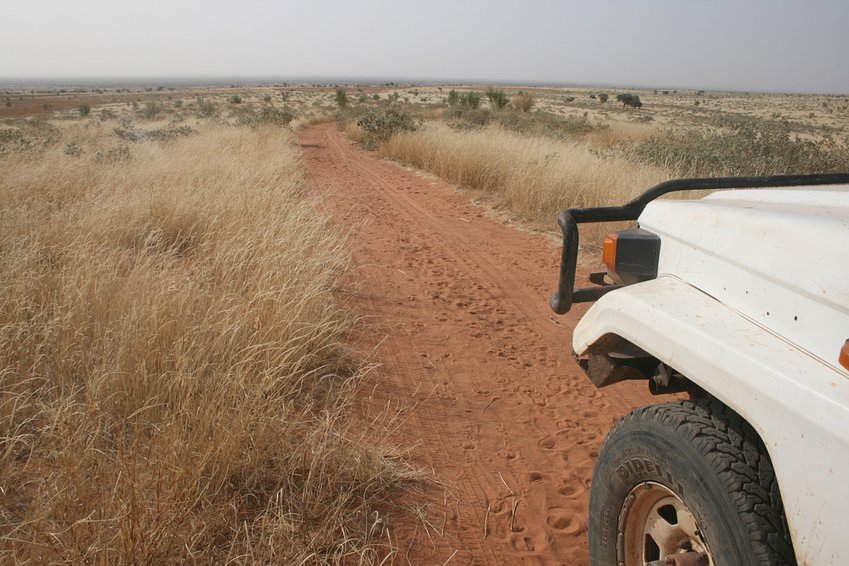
{"type": "Point", "coordinates": [740, 299]}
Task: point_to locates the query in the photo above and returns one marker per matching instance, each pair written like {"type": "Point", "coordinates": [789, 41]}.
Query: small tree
{"type": "Point", "coordinates": [497, 98]}
{"type": "Point", "coordinates": [453, 98]}
{"type": "Point", "coordinates": [341, 98]}
{"type": "Point", "coordinates": [629, 99]}
{"type": "Point", "coordinates": [523, 101]}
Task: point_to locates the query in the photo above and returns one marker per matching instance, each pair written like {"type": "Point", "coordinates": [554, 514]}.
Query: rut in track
{"type": "Point", "coordinates": [456, 305]}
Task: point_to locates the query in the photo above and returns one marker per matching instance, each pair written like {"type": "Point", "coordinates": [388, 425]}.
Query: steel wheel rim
{"type": "Point", "coordinates": [652, 524]}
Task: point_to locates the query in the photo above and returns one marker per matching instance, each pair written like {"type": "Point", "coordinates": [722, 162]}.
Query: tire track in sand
{"type": "Point", "coordinates": [457, 312]}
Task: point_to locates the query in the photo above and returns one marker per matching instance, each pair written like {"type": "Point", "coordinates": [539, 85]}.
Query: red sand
{"type": "Point", "coordinates": [457, 310]}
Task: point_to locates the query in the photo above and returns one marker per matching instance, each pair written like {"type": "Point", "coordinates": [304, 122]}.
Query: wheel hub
{"type": "Point", "coordinates": [656, 528]}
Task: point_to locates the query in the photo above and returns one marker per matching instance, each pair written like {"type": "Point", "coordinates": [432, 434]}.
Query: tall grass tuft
{"type": "Point", "coordinates": [174, 384]}
{"type": "Point", "coordinates": [534, 177]}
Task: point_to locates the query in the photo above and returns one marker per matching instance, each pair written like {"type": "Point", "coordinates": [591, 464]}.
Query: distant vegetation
{"type": "Point", "coordinates": [740, 147]}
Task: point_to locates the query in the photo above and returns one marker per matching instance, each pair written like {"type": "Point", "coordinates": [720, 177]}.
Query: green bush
{"type": "Point", "coordinates": [747, 147]}
{"type": "Point", "coordinates": [29, 135]}
{"type": "Point", "coordinates": [84, 110]}
{"type": "Point", "coordinates": [380, 124]}
{"type": "Point", "coordinates": [265, 115]}
{"type": "Point", "coordinates": [629, 99]}
{"type": "Point", "coordinates": [497, 98]}
{"type": "Point", "coordinates": [470, 99]}
{"type": "Point", "coordinates": [341, 98]}
{"type": "Point", "coordinates": [541, 123]}
{"type": "Point", "coordinates": [466, 117]}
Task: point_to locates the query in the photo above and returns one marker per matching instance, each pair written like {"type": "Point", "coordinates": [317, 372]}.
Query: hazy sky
{"type": "Point", "coordinates": [767, 45]}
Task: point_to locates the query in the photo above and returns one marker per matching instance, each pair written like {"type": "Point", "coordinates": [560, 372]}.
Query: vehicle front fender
{"type": "Point", "coordinates": [798, 404]}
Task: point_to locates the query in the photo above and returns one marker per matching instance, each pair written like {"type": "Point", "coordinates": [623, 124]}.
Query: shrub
{"type": "Point", "coordinates": [747, 147]}
{"type": "Point", "coordinates": [497, 98]}
{"type": "Point", "coordinates": [341, 98]}
{"type": "Point", "coordinates": [151, 110]}
{"type": "Point", "coordinates": [73, 149]}
{"type": "Point", "coordinates": [602, 97]}
{"type": "Point", "coordinates": [378, 125]}
{"type": "Point", "coordinates": [206, 109]}
{"type": "Point", "coordinates": [235, 99]}
{"type": "Point", "coordinates": [546, 124]}
{"type": "Point", "coordinates": [523, 101]}
{"type": "Point", "coordinates": [470, 99]}
{"type": "Point", "coordinates": [84, 110]}
{"type": "Point", "coordinates": [29, 135]}
{"type": "Point", "coordinates": [629, 99]}
{"type": "Point", "coordinates": [169, 132]}
{"type": "Point", "coordinates": [453, 98]}
{"type": "Point", "coordinates": [465, 117]}
{"type": "Point", "coordinates": [266, 115]}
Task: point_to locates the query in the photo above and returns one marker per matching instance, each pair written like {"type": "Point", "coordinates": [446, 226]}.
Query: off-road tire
{"type": "Point", "coordinates": [713, 461]}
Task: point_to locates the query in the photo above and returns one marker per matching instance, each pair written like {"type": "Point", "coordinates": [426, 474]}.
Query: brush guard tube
{"type": "Point", "coordinates": [566, 294]}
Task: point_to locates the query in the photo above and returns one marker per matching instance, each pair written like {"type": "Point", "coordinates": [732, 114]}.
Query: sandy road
{"type": "Point", "coordinates": [458, 316]}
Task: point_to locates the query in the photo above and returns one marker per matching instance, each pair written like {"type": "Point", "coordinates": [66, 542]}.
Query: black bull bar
{"type": "Point", "coordinates": [566, 294]}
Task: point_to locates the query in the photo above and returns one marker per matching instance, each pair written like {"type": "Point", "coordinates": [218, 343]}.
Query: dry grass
{"type": "Point", "coordinates": [173, 380]}
{"type": "Point", "coordinates": [534, 177]}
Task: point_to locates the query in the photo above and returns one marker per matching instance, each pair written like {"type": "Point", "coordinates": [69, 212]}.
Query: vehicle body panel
{"type": "Point", "coordinates": [777, 256]}
{"type": "Point", "coordinates": [797, 404]}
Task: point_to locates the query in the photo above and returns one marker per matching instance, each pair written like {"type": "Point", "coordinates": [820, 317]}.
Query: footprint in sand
{"type": "Point", "coordinates": [564, 521]}
{"type": "Point", "coordinates": [571, 489]}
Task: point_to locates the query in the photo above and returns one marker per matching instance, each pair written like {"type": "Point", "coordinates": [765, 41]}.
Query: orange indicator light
{"type": "Point", "coordinates": [609, 253]}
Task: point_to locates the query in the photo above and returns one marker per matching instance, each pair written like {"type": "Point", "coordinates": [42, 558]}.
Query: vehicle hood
{"type": "Point", "coordinates": [778, 256]}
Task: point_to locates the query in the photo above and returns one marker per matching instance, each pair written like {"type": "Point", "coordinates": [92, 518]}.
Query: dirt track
{"type": "Point", "coordinates": [458, 316]}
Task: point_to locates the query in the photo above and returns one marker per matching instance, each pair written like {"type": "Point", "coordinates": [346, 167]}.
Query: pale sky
{"type": "Point", "coordinates": [754, 45]}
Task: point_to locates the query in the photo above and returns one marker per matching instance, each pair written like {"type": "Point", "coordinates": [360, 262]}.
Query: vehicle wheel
{"type": "Point", "coordinates": [686, 473]}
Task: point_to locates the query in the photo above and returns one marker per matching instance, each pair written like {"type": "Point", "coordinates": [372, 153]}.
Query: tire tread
{"type": "Point", "coordinates": [740, 460]}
